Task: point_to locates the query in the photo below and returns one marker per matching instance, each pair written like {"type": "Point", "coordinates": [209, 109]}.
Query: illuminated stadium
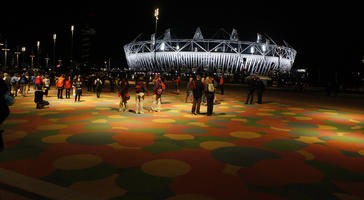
{"type": "Point", "coordinates": [225, 55]}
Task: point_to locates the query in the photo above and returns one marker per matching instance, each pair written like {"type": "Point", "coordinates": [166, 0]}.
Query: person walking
{"type": "Point", "coordinates": [251, 89]}
{"type": "Point", "coordinates": [189, 90]}
{"type": "Point", "coordinates": [178, 82]}
{"type": "Point", "coordinates": [23, 85]}
{"type": "Point", "coordinates": [38, 82]}
{"type": "Point", "coordinates": [67, 86]}
{"type": "Point", "coordinates": [197, 89]}
{"type": "Point", "coordinates": [47, 84]}
{"type": "Point", "coordinates": [203, 94]}
{"type": "Point", "coordinates": [78, 86]}
{"type": "Point", "coordinates": [140, 90]}
{"type": "Point", "coordinates": [124, 96]}
{"type": "Point", "coordinates": [221, 84]}
{"type": "Point", "coordinates": [60, 86]}
{"type": "Point", "coordinates": [14, 82]}
{"type": "Point", "coordinates": [260, 89]}
{"type": "Point", "coordinates": [98, 86]}
{"type": "Point", "coordinates": [210, 95]}
{"type": "Point", "coordinates": [4, 109]}
{"type": "Point", "coordinates": [157, 94]}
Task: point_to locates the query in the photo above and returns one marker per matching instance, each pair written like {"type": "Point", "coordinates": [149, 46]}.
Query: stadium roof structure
{"type": "Point", "coordinates": [224, 55]}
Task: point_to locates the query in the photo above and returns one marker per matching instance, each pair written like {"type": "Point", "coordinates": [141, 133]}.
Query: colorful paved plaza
{"type": "Point", "coordinates": [274, 150]}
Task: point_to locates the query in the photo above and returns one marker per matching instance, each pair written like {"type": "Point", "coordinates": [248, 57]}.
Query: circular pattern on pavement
{"type": "Point", "coordinates": [166, 168]}
{"type": "Point", "coordinates": [179, 136]}
{"type": "Point", "coordinates": [52, 127]}
{"type": "Point", "coordinates": [76, 162]}
{"type": "Point", "coordinates": [242, 156]}
{"type": "Point", "coordinates": [304, 132]}
{"type": "Point", "coordinates": [212, 145]}
{"type": "Point", "coordinates": [163, 120]}
{"type": "Point", "coordinates": [195, 130]}
{"type": "Point", "coordinates": [285, 145]}
{"type": "Point", "coordinates": [56, 139]}
{"type": "Point", "coordinates": [245, 134]}
{"type": "Point", "coordinates": [92, 138]}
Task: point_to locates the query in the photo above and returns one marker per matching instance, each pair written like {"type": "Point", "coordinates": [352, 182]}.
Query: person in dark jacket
{"type": "Point", "coordinates": [78, 86]}
{"type": "Point", "coordinates": [210, 95]}
{"type": "Point", "coordinates": [189, 91]}
{"type": "Point", "coordinates": [98, 87]}
{"type": "Point", "coordinates": [197, 90]}
{"type": "Point", "coordinates": [260, 89]}
{"type": "Point", "coordinates": [4, 109]}
{"type": "Point", "coordinates": [124, 96]}
{"type": "Point", "coordinates": [251, 89]}
{"type": "Point", "coordinates": [140, 90]}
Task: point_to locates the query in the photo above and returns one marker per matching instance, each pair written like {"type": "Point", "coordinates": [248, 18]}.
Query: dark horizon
{"type": "Point", "coordinates": [325, 36]}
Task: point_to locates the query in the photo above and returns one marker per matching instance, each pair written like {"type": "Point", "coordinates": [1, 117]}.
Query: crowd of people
{"type": "Point", "coordinates": [197, 90]}
{"type": "Point", "coordinates": [200, 90]}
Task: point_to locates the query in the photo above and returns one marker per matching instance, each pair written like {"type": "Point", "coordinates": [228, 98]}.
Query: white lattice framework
{"type": "Point", "coordinates": [227, 55]}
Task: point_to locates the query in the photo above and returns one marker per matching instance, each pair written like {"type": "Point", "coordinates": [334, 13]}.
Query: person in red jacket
{"type": "Point", "coordinates": [60, 86]}
{"type": "Point", "coordinates": [67, 86]}
{"type": "Point", "coordinates": [38, 82]}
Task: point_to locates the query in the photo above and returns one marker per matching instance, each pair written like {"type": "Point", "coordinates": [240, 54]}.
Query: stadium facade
{"type": "Point", "coordinates": [218, 55]}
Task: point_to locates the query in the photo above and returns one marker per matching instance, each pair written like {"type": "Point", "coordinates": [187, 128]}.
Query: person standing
{"type": "Point", "coordinates": [14, 82]}
{"type": "Point", "coordinates": [189, 90]}
{"type": "Point", "coordinates": [210, 95]}
{"type": "Point", "coordinates": [251, 89]}
{"type": "Point", "coordinates": [73, 87]}
{"type": "Point", "coordinates": [221, 84]}
{"type": "Point", "coordinates": [178, 82]}
{"type": "Point", "coordinates": [4, 109]}
{"type": "Point", "coordinates": [38, 82]}
{"type": "Point", "coordinates": [157, 94]}
{"type": "Point", "coordinates": [67, 86]}
{"type": "Point", "coordinates": [197, 89]}
{"type": "Point", "coordinates": [78, 86]}
{"type": "Point", "coordinates": [98, 87]}
{"type": "Point", "coordinates": [140, 90]}
{"type": "Point", "coordinates": [124, 96]}
{"type": "Point", "coordinates": [23, 84]}
{"type": "Point", "coordinates": [7, 81]}
{"type": "Point", "coordinates": [47, 84]}
{"type": "Point", "coordinates": [260, 89]}
{"type": "Point", "coordinates": [60, 86]}
{"type": "Point", "coordinates": [203, 94]}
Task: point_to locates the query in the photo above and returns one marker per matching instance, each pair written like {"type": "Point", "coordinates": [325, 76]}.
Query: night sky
{"type": "Point", "coordinates": [327, 36]}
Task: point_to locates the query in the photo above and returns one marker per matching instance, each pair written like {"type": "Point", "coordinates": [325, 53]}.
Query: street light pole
{"type": "Point", "coordinates": [46, 60]}
{"type": "Point", "coordinates": [32, 60]}
{"type": "Point", "coordinates": [17, 58]}
{"type": "Point", "coordinates": [38, 46]}
{"type": "Point", "coordinates": [156, 15]}
{"type": "Point", "coordinates": [23, 49]}
{"type": "Point", "coordinates": [71, 55]}
{"type": "Point", "coordinates": [6, 56]}
{"type": "Point", "coordinates": [54, 50]}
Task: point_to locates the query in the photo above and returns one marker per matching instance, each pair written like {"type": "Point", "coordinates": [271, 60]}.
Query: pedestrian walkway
{"type": "Point", "coordinates": [284, 148]}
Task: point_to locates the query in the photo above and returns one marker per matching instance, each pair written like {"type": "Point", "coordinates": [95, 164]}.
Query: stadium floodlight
{"type": "Point", "coordinates": [252, 50]}
{"type": "Point", "coordinates": [264, 48]}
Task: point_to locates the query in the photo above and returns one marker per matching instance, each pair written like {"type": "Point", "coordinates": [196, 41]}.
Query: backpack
{"type": "Point", "coordinates": [98, 83]}
{"type": "Point", "coordinates": [210, 87]}
{"type": "Point", "coordinates": [138, 88]}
